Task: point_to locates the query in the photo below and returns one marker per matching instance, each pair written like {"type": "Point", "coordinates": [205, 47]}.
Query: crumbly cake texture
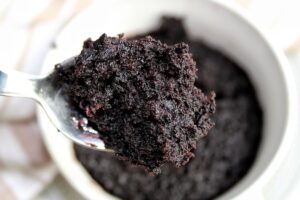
{"type": "Point", "coordinates": [221, 159]}
{"type": "Point", "coordinates": [140, 96]}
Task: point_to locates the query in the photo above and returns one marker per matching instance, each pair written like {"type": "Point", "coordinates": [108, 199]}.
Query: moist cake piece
{"type": "Point", "coordinates": [140, 96]}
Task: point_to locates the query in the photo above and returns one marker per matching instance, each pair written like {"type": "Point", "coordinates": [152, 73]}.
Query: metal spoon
{"type": "Point", "coordinates": [57, 108]}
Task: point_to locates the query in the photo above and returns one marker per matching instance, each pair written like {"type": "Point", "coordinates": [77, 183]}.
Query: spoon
{"type": "Point", "coordinates": [66, 120]}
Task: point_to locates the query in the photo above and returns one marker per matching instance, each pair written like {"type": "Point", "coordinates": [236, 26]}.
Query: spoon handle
{"type": "Point", "coordinates": [17, 84]}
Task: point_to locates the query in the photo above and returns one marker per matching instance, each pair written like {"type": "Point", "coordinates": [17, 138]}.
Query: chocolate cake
{"type": "Point", "coordinates": [221, 159]}
{"type": "Point", "coordinates": [140, 96]}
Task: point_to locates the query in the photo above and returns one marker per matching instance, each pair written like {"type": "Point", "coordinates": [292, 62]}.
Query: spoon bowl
{"type": "Point", "coordinates": [56, 105]}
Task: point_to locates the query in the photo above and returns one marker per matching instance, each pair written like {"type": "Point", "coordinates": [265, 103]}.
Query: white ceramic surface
{"type": "Point", "coordinates": [222, 27]}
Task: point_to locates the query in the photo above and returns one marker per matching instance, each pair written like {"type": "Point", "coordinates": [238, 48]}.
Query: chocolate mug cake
{"type": "Point", "coordinates": [221, 159]}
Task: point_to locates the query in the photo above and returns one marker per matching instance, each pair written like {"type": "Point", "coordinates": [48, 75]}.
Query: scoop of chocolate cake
{"type": "Point", "coordinates": [140, 96]}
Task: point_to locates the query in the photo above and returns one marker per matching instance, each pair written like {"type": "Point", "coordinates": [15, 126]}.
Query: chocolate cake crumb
{"type": "Point", "coordinates": [141, 98]}
{"type": "Point", "coordinates": [221, 159]}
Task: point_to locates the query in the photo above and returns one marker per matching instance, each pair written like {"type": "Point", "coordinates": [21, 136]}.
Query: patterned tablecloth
{"type": "Point", "coordinates": [27, 30]}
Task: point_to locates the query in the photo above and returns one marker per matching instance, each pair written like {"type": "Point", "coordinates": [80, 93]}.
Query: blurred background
{"type": "Point", "coordinates": [27, 31]}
